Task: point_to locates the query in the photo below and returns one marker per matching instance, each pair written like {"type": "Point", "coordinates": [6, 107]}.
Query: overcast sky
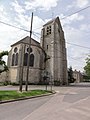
{"type": "Point", "coordinates": [76, 27]}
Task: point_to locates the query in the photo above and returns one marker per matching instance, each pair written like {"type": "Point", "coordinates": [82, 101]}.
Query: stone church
{"type": "Point", "coordinates": [47, 58]}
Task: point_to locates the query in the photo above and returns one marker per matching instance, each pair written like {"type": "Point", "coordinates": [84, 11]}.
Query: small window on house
{"type": "Point", "coordinates": [48, 30]}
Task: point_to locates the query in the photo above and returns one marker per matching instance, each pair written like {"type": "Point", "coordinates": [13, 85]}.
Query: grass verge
{"type": "Point", "coordinates": [10, 95]}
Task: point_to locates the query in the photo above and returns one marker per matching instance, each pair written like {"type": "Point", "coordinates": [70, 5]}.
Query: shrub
{"type": "Point", "coordinates": [57, 83]}
{"type": "Point", "coordinates": [14, 83]}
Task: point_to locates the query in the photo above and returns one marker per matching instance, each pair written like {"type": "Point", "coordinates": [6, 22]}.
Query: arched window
{"type": "Point", "coordinates": [25, 59]}
{"type": "Point", "coordinates": [16, 59]}
{"type": "Point", "coordinates": [31, 63]}
{"type": "Point", "coordinates": [13, 59]}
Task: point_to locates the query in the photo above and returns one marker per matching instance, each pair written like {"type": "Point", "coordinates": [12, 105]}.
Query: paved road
{"type": "Point", "coordinates": [69, 103]}
{"type": "Point", "coordinates": [20, 109]}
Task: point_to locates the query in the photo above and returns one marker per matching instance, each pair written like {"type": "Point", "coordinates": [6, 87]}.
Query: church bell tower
{"type": "Point", "coordinates": [53, 43]}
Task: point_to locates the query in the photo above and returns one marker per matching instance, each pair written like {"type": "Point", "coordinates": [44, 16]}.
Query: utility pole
{"type": "Point", "coordinates": [28, 62]}
{"type": "Point", "coordinates": [20, 70]}
{"type": "Point", "coordinates": [21, 67]}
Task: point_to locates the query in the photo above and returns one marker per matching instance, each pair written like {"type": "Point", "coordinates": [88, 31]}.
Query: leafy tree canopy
{"type": "Point", "coordinates": [87, 67]}
{"type": "Point", "coordinates": [70, 75]}
{"type": "Point", "coordinates": [2, 62]}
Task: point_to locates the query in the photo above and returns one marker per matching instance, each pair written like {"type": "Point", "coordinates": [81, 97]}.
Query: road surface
{"type": "Point", "coordinates": [70, 103]}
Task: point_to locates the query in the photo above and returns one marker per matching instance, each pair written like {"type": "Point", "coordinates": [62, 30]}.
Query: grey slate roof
{"type": "Point", "coordinates": [26, 41]}
{"type": "Point", "coordinates": [53, 20]}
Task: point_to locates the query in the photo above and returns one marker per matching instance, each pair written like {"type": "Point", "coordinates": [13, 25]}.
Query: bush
{"type": "Point", "coordinates": [14, 83]}
{"type": "Point", "coordinates": [5, 83]}
{"type": "Point", "coordinates": [57, 83]}
{"type": "Point", "coordinates": [1, 83]}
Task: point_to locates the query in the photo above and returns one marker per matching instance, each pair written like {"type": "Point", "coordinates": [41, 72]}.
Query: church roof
{"type": "Point", "coordinates": [53, 20]}
{"type": "Point", "coordinates": [26, 41]}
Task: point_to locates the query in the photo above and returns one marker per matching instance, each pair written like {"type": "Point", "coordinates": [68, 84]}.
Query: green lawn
{"type": "Point", "coordinates": [8, 95]}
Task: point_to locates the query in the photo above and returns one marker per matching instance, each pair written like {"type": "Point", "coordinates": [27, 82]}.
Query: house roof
{"type": "Point", "coordinates": [26, 41]}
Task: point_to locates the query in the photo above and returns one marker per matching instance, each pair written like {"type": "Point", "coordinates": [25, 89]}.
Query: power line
{"type": "Point", "coordinates": [67, 42]}
{"type": "Point", "coordinates": [69, 15]}
{"type": "Point", "coordinates": [41, 26]}
{"type": "Point", "coordinates": [78, 45]}
{"type": "Point", "coordinates": [35, 35]}
{"type": "Point", "coordinates": [37, 28]}
{"type": "Point", "coordinates": [62, 52]}
{"type": "Point", "coordinates": [14, 26]}
{"type": "Point", "coordinates": [75, 12]}
{"type": "Point", "coordinates": [74, 58]}
{"type": "Point", "coordinates": [17, 27]}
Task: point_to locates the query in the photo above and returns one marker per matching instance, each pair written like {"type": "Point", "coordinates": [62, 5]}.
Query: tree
{"type": "Point", "coordinates": [70, 75]}
{"type": "Point", "coordinates": [87, 67]}
{"type": "Point", "coordinates": [2, 62]}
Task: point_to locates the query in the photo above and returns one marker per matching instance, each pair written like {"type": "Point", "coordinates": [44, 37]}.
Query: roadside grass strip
{"type": "Point", "coordinates": [13, 95]}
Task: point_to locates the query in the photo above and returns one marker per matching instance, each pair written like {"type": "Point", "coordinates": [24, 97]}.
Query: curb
{"type": "Point", "coordinates": [25, 98]}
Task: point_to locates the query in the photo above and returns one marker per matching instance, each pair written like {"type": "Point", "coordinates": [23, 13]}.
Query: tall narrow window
{"type": "Point", "coordinates": [25, 59]}
{"type": "Point", "coordinates": [13, 58]}
{"type": "Point", "coordinates": [16, 60]}
{"type": "Point", "coordinates": [47, 47]}
{"type": "Point", "coordinates": [31, 63]}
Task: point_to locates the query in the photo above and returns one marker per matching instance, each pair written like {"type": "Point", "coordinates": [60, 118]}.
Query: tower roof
{"type": "Point", "coordinates": [53, 20]}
